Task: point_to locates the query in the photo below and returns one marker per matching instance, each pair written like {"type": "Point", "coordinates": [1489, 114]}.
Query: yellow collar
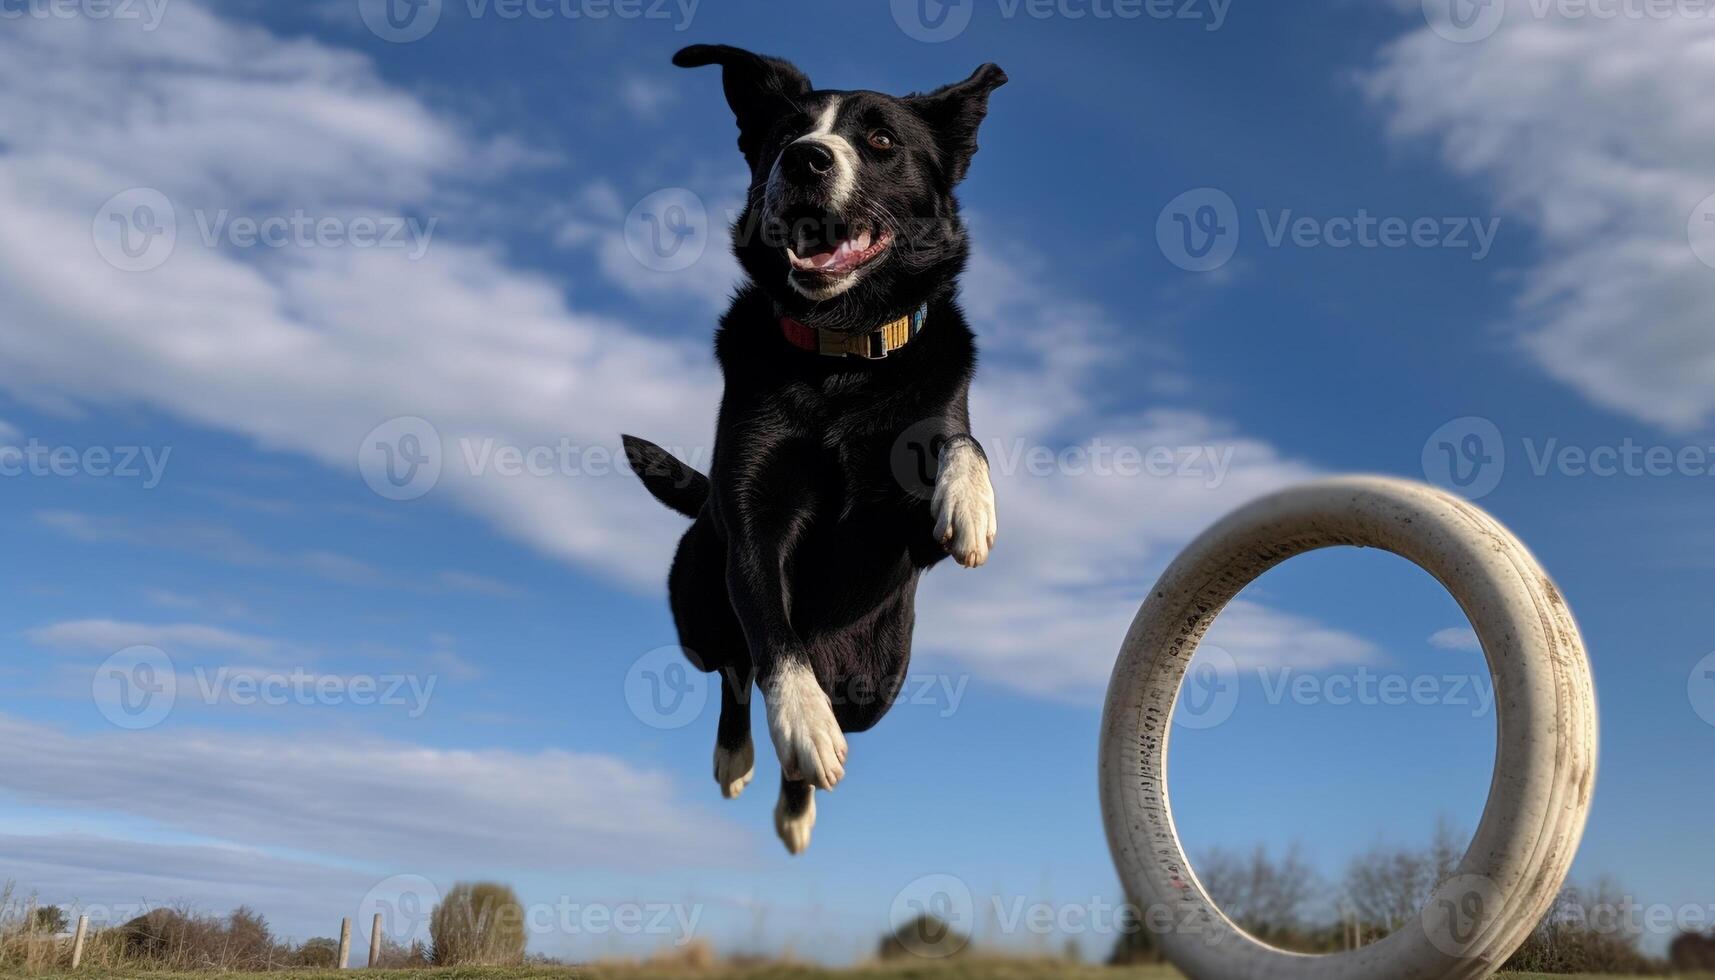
{"type": "Point", "coordinates": [871, 345]}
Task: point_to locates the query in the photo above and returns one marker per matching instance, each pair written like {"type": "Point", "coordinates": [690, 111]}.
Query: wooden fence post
{"type": "Point", "coordinates": [77, 940]}
{"type": "Point", "coordinates": [344, 942]}
{"type": "Point", "coordinates": [375, 942]}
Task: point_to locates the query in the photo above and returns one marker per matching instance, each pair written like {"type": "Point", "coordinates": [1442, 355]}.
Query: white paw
{"type": "Point", "coordinates": [807, 738]}
{"type": "Point", "coordinates": [733, 769]}
{"type": "Point", "coordinates": [964, 505]}
{"type": "Point", "coordinates": [795, 831]}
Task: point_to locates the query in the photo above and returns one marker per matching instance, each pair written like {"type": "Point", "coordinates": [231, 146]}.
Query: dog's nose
{"type": "Point", "coordinates": [807, 160]}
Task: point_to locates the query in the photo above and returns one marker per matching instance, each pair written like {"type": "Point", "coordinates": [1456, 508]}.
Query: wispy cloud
{"type": "Point", "coordinates": [109, 635]}
{"type": "Point", "coordinates": [1597, 132]}
{"type": "Point", "coordinates": [1456, 638]}
{"type": "Point", "coordinates": [224, 544]}
{"type": "Point", "coordinates": [365, 799]}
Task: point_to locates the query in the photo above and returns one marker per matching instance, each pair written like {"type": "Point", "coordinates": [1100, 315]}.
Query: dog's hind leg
{"type": "Point", "coordinates": [712, 640]}
{"type": "Point", "coordinates": [795, 814]}
{"type": "Point", "coordinates": [735, 755]}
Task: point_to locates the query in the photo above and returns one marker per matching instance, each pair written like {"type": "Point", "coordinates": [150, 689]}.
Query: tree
{"type": "Point", "coordinates": [249, 942]}
{"type": "Point", "coordinates": [1388, 887]}
{"type": "Point", "coordinates": [480, 924]}
{"type": "Point", "coordinates": [1264, 896]}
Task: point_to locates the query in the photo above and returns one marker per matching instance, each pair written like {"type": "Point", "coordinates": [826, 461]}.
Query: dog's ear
{"type": "Point", "coordinates": [955, 112]}
{"type": "Point", "coordinates": [760, 89]}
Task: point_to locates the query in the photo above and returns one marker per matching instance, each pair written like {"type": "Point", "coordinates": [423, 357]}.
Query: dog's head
{"type": "Point", "coordinates": [851, 214]}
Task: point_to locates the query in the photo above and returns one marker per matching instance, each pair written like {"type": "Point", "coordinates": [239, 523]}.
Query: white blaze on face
{"type": "Point", "coordinates": [844, 182]}
{"type": "Point", "coordinates": [845, 155]}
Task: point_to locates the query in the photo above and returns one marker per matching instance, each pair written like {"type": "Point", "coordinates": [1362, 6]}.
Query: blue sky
{"type": "Point", "coordinates": [479, 267]}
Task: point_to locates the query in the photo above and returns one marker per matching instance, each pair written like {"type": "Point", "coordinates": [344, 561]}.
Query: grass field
{"type": "Point", "coordinates": [973, 969]}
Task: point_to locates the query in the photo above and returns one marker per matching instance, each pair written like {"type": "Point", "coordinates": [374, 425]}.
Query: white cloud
{"type": "Point", "coordinates": [9, 433]}
{"type": "Point", "coordinates": [1082, 538]}
{"type": "Point", "coordinates": [1597, 133]}
{"type": "Point", "coordinates": [1456, 638]}
{"type": "Point", "coordinates": [224, 544]}
{"type": "Point", "coordinates": [306, 349]}
{"type": "Point", "coordinates": [392, 804]}
{"type": "Point", "coordinates": [645, 95]}
{"type": "Point", "coordinates": [109, 635]}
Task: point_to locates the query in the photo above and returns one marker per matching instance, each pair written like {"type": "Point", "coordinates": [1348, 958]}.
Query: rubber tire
{"type": "Point", "coordinates": [1545, 765]}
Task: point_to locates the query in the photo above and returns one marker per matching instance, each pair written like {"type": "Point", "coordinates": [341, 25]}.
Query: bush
{"type": "Point", "coordinates": [1583, 932]}
{"type": "Point", "coordinates": [927, 936]}
{"type": "Point", "coordinates": [397, 956]}
{"type": "Point", "coordinates": [1136, 944]}
{"type": "Point", "coordinates": [51, 920]}
{"type": "Point", "coordinates": [319, 953]}
{"type": "Point", "coordinates": [478, 924]}
{"type": "Point", "coordinates": [1693, 952]}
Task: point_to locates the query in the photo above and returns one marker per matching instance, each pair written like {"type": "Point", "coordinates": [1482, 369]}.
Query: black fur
{"type": "Point", "coordinates": [815, 523]}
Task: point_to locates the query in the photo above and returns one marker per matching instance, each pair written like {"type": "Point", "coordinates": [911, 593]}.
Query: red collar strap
{"type": "Point", "coordinates": [872, 345]}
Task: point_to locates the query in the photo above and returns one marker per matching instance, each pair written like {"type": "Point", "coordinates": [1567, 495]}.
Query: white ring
{"type": "Point", "coordinates": [1545, 760]}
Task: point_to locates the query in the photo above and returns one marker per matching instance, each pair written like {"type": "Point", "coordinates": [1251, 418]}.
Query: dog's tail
{"type": "Point", "coordinates": [672, 482]}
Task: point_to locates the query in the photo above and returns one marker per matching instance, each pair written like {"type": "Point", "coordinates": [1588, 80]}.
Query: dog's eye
{"type": "Point", "coordinates": [881, 139]}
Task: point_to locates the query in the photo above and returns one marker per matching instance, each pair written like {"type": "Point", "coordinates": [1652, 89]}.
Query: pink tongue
{"type": "Point", "coordinates": [845, 254]}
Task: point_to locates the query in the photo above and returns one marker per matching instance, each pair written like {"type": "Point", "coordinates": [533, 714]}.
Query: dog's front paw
{"type": "Point", "coordinates": [807, 737]}
{"type": "Point", "coordinates": [734, 767]}
{"type": "Point", "coordinates": [964, 505]}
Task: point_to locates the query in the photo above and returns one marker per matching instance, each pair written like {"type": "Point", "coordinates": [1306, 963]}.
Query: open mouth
{"type": "Point", "coordinates": [830, 248]}
{"type": "Point", "coordinates": [842, 256]}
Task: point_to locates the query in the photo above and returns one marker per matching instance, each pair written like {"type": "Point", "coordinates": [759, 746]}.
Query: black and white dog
{"type": "Point", "coordinates": [843, 464]}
